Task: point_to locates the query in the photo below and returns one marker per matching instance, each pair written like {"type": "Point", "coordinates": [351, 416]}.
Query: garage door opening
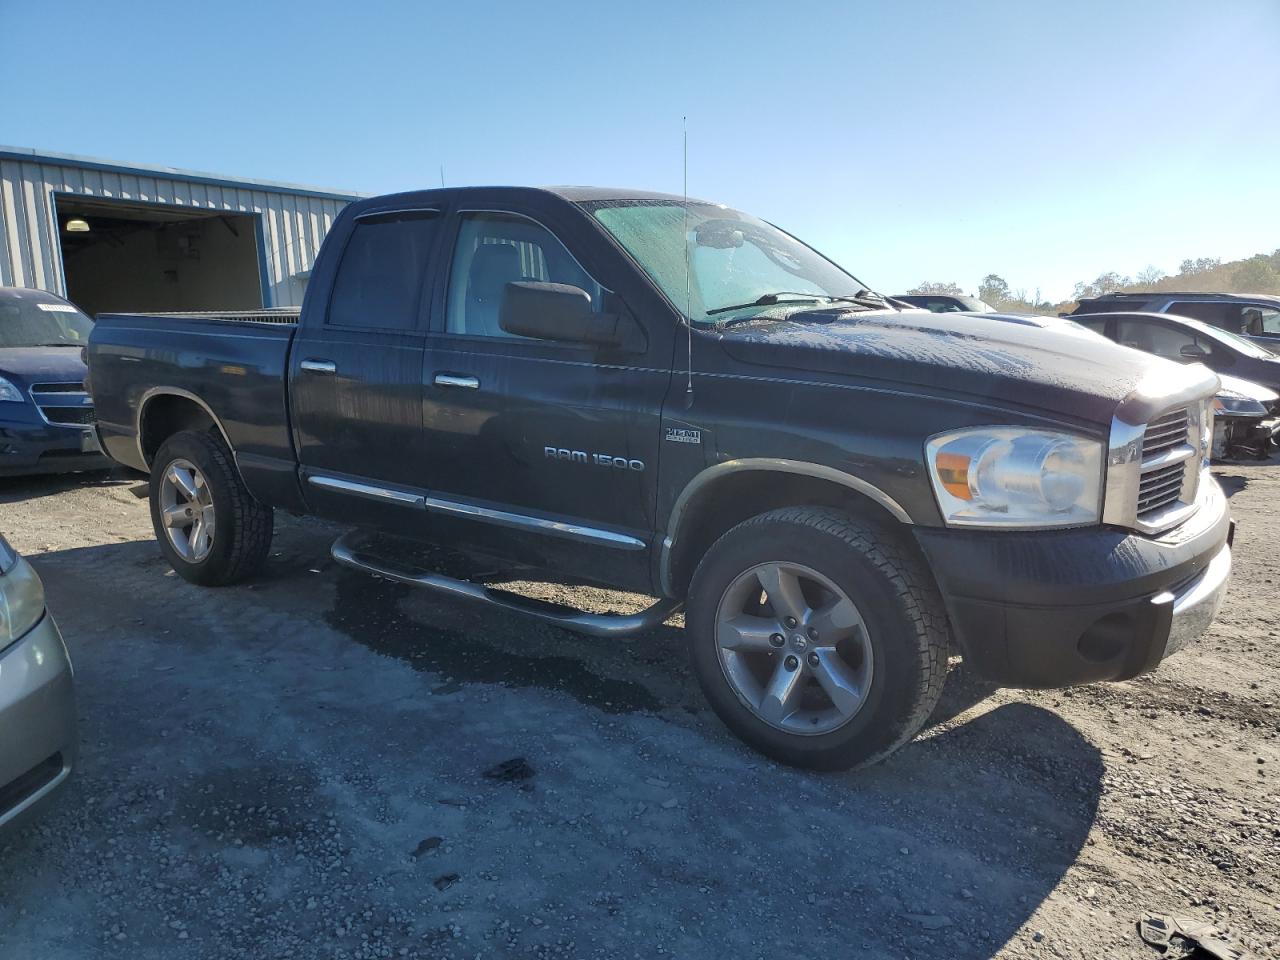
{"type": "Point", "coordinates": [143, 257]}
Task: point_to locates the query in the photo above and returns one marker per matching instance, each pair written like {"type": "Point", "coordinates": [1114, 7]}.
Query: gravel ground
{"type": "Point", "coordinates": [297, 768]}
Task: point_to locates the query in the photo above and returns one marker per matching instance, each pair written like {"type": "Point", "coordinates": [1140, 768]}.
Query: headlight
{"type": "Point", "coordinates": [21, 596]}
{"type": "Point", "coordinates": [9, 392]}
{"type": "Point", "coordinates": [1238, 405]}
{"type": "Point", "coordinates": [1014, 477]}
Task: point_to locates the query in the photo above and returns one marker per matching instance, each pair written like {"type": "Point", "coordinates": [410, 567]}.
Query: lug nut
{"type": "Point", "coordinates": [813, 659]}
{"type": "Point", "coordinates": [813, 633]}
{"type": "Point", "coordinates": [777, 640]}
{"type": "Point", "coordinates": [791, 621]}
{"type": "Point", "coordinates": [791, 663]}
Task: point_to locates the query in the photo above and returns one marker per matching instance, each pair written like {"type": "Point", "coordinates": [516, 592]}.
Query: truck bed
{"type": "Point", "coordinates": [231, 364]}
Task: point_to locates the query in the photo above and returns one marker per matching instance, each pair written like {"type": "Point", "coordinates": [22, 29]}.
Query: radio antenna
{"type": "Point", "coordinates": [442, 174]}
{"type": "Point", "coordinates": [688, 285]}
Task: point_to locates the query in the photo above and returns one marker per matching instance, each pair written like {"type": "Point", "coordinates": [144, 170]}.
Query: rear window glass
{"type": "Point", "coordinates": [379, 280]}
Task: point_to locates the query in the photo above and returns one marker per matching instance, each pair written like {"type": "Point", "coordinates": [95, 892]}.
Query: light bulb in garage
{"type": "Point", "coordinates": [77, 226]}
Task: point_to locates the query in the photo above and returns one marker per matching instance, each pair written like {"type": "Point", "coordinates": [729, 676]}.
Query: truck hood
{"type": "Point", "coordinates": [23, 366]}
{"type": "Point", "coordinates": [1058, 368]}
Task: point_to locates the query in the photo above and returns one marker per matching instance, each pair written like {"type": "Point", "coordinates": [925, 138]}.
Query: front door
{"type": "Point", "coordinates": [356, 373]}
{"type": "Point", "coordinates": [545, 446]}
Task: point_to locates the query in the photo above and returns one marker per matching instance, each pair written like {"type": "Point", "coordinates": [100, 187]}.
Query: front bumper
{"type": "Point", "coordinates": [38, 737]}
{"type": "Point", "coordinates": [30, 448]}
{"type": "Point", "coordinates": [1053, 609]}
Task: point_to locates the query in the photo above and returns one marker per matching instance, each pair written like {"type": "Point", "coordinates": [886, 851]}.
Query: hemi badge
{"type": "Point", "coordinates": [683, 435]}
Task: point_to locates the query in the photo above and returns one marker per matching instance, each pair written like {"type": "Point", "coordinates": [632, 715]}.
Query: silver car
{"type": "Point", "coordinates": [37, 702]}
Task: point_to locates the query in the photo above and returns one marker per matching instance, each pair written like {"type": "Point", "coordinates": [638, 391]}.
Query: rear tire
{"type": "Point", "coordinates": [209, 527]}
{"type": "Point", "coordinates": [863, 651]}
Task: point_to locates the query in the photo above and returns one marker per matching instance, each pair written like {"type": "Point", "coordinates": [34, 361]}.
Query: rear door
{"type": "Point", "coordinates": [356, 370]}
{"type": "Point", "coordinates": [546, 447]}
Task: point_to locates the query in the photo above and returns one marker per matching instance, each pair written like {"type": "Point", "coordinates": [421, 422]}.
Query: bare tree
{"type": "Point", "coordinates": [1150, 276]}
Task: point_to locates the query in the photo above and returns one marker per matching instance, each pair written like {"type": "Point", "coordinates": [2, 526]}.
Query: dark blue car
{"type": "Point", "coordinates": [46, 416]}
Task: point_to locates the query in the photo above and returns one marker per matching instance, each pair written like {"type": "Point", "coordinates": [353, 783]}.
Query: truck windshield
{"type": "Point", "coordinates": [734, 258]}
{"type": "Point", "coordinates": [30, 318]}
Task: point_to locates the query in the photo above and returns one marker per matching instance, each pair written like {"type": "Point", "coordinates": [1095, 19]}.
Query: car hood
{"type": "Point", "coordinates": [23, 366]}
{"type": "Point", "coordinates": [1056, 369]}
{"type": "Point", "coordinates": [1247, 388]}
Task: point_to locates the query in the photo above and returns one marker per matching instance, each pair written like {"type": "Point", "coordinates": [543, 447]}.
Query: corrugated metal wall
{"type": "Point", "coordinates": [292, 224]}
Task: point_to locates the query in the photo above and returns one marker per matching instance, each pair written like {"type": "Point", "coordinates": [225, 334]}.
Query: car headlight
{"type": "Point", "coordinates": [9, 392]}
{"type": "Point", "coordinates": [1016, 477]}
{"type": "Point", "coordinates": [21, 596]}
{"type": "Point", "coordinates": [1238, 405]}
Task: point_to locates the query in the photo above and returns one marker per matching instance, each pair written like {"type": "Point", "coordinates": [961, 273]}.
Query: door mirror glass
{"type": "Point", "coordinates": [1193, 351]}
{"type": "Point", "coordinates": [554, 311]}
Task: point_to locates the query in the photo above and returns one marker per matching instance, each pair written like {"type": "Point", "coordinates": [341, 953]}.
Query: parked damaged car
{"type": "Point", "coordinates": [46, 416]}
{"type": "Point", "coordinates": [38, 739]}
{"type": "Point", "coordinates": [1246, 421]}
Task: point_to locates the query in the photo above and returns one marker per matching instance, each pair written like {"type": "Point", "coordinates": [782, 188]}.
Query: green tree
{"type": "Point", "coordinates": [1109, 282]}
{"type": "Point", "coordinates": [993, 289]}
{"type": "Point", "coordinates": [1189, 268]}
{"type": "Point", "coordinates": [1256, 275]}
{"type": "Point", "coordinates": [945, 289]}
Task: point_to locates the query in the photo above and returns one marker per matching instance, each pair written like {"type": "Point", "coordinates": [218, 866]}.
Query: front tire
{"type": "Point", "coordinates": [837, 665]}
{"type": "Point", "coordinates": [209, 527]}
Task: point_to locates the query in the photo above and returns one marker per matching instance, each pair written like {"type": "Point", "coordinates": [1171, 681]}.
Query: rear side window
{"type": "Point", "coordinates": [380, 276]}
{"type": "Point", "coordinates": [1204, 310]}
{"type": "Point", "coordinates": [1098, 324]}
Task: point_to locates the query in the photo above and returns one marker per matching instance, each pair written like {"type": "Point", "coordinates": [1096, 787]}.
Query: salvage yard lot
{"type": "Point", "coordinates": [296, 768]}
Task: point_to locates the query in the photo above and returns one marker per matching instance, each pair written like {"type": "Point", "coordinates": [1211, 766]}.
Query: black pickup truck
{"type": "Point", "coordinates": [679, 399]}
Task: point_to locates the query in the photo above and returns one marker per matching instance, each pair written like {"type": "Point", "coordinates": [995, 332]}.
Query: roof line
{"type": "Point", "coordinates": [28, 155]}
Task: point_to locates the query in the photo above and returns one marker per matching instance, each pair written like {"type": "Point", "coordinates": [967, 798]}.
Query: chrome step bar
{"type": "Point", "coordinates": [592, 624]}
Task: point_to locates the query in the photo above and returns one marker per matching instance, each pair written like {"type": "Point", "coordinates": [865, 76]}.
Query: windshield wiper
{"type": "Point", "coordinates": [770, 299]}
{"type": "Point", "coordinates": [869, 298]}
{"type": "Point", "coordinates": [60, 343]}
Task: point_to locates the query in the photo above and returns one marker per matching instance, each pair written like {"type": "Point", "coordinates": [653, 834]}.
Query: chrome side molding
{"type": "Point", "coordinates": [470, 511]}
{"type": "Point", "coordinates": [520, 521]}
{"type": "Point", "coordinates": [592, 624]}
{"type": "Point", "coordinates": [367, 490]}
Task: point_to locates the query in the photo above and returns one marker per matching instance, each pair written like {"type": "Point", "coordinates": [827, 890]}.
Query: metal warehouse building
{"type": "Point", "coordinates": [117, 237]}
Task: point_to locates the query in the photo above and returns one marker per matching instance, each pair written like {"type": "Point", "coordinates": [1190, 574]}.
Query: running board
{"type": "Point", "coordinates": [592, 624]}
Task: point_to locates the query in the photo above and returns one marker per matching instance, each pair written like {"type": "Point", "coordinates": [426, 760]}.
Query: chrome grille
{"type": "Point", "coordinates": [64, 403]}
{"type": "Point", "coordinates": [1165, 433]}
{"type": "Point", "coordinates": [1169, 452]}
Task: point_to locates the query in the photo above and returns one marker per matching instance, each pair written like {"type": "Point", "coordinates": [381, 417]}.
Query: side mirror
{"type": "Point", "coordinates": [1193, 351]}
{"type": "Point", "coordinates": [557, 311]}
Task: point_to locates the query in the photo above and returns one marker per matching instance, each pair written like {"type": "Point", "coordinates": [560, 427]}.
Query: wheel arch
{"type": "Point", "coordinates": [722, 496]}
{"type": "Point", "coordinates": [164, 411]}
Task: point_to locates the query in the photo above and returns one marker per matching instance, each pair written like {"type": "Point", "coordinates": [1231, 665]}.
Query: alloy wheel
{"type": "Point", "coordinates": [186, 510]}
{"type": "Point", "coordinates": [794, 648]}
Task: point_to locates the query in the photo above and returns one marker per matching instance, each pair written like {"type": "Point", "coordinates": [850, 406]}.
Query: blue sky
{"type": "Point", "coordinates": [912, 140]}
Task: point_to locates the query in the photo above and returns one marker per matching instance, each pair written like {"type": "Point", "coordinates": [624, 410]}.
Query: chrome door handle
{"type": "Point", "coordinates": [319, 366]}
{"type": "Point", "coordinates": [450, 380]}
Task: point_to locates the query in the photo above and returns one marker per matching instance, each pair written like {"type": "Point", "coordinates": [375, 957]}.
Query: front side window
{"type": "Point", "coordinates": [30, 318]}
{"type": "Point", "coordinates": [733, 258]}
{"type": "Point", "coordinates": [1156, 338]}
{"type": "Point", "coordinates": [494, 249]}
{"type": "Point", "coordinates": [380, 276]}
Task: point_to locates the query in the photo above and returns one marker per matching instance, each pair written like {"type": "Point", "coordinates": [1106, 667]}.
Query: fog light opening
{"type": "Point", "coordinates": [1107, 639]}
